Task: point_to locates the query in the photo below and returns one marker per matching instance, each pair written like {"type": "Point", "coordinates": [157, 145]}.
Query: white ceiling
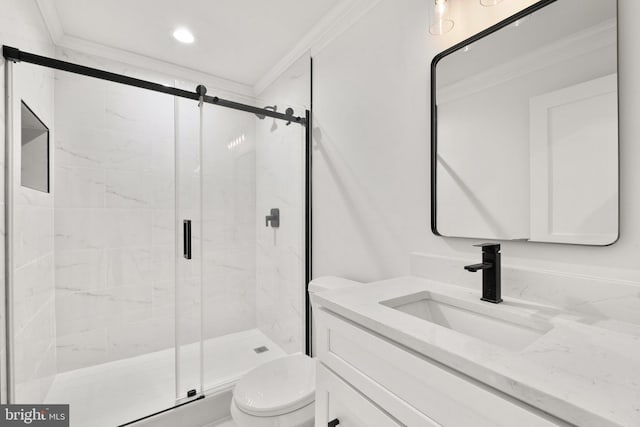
{"type": "Point", "coordinates": [239, 40]}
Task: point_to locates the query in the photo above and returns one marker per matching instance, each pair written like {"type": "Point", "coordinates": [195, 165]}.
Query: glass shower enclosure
{"type": "Point", "coordinates": [144, 274]}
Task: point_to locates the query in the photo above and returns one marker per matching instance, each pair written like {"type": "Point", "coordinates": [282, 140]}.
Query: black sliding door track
{"type": "Point", "coordinates": [129, 423]}
{"type": "Point", "coordinates": [16, 55]}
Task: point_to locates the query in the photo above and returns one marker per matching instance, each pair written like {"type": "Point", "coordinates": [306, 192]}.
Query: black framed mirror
{"type": "Point", "coordinates": [524, 128]}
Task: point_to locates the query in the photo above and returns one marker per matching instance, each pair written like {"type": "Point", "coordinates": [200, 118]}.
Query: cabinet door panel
{"type": "Point", "coordinates": [336, 401]}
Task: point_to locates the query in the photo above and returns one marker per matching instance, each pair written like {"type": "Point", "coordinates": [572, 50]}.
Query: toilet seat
{"type": "Point", "coordinates": [303, 417]}
{"type": "Point", "coordinates": [278, 387]}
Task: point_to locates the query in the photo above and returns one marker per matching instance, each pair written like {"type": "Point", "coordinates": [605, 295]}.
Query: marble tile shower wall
{"type": "Point", "coordinates": [280, 184]}
{"type": "Point", "coordinates": [34, 323]}
{"type": "Point", "coordinates": [229, 226]}
{"type": "Point", "coordinates": [114, 213]}
{"type": "Point", "coordinates": [21, 25]}
{"type": "Point", "coordinates": [280, 252]}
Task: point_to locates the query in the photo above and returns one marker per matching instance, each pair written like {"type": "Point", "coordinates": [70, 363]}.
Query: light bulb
{"type": "Point", "coordinates": [183, 35]}
{"type": "Point", "coordinates": [440, 22]}
{"type": "Point", "coordinates": [489, 3]}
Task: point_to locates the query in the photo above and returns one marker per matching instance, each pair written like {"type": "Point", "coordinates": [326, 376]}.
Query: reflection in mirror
{"type": "Point", "coordinates": [34, 168]}
{"type": "Point", "coordinates": [526, 139]}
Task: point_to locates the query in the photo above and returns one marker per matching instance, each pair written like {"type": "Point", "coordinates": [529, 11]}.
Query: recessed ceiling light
{"type": "Point", "coordinates": [183, 35]}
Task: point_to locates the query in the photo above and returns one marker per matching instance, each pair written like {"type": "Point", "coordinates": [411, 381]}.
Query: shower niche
{"type": "Point", "coordinates": [34, 167]}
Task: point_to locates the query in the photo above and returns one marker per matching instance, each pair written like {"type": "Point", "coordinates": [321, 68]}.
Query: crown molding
{"type": "Point", "coordinates": [65, 41]}
{"type": "Point", "coordinates": [157, 65]}
{"type": "Point", "coordinates": [51, 19]}
{"type": "Point", "coordinates": [331, 26]}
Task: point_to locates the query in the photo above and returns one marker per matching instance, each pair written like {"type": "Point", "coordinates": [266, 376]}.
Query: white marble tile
{"type": "Point", "coordinates": [163, 299]}
{"type": "Point", "coordinates": [80, 269]}
{"type": "Point", "coordinates": [280, 253]}
{"type": "Point", "coordinates": [31, 342]}
{"type": "Point", "coordinates": [80, 228]}
{"type": "Point", "coordinates": [79, 350]}
{"type": "Point", "coordinates": [79, 146]}
{"type": "Point", "coordinates": [106, 264]}
{"type": "Point", "coordinates": [33, 228]}
{"type": "Point", "coordinates": [33, 299]}
{"type": "Point", "coordinates": [163, 230]}
{"type": "Point", "coordinates": [79, 187]}
{"type": "Point", "coordinates": [80, 100]}
{"type": "Point", "coordinates": [33, 288]}
{"type": "Point", "coordinates": [130, 266]}
{"type": "Point", "coordinates": [83, 311]}
{"type": "Point", "coordinates": [131, 109]}
{"type": "Point", "coordinates": [128, 189]}
{"type": "Point", "coordinates": [128, 150]}
{"type": "Point", "coordinates": [25, 196]}
{"type": "Point", "coordinates": [228, 225]}
{"type": "Point", "coordinates": [163, 263]}
{"type": "Point", "coordinates": [35, 389]}
{"type": "Point", "coordinates": [134, 339]}
{"type": "Point", "coordinates": [163, 152]}
{"type": "Point", "coordinates": [164, 189]}
{"type": "Point", "coordinates": [127, 227]}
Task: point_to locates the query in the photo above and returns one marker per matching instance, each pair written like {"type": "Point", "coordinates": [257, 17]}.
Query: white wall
{"type": "Point", "coordinates": [21, 25]}
{"type": "Point", "coordinates": [371, 135]}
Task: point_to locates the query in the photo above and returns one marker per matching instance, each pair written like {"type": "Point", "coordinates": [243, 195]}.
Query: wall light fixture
{"type": "Point", "coordinates": [440, 22]}
{"type": "Point", "coordinates": [489, 3]}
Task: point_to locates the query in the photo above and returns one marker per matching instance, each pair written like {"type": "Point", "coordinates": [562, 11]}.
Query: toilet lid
{"type": "Point", "coordinates": [277, 387]}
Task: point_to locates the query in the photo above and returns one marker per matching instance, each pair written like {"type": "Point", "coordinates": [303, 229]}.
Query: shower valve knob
{"type": "Point", "coordinates": [273, 219]}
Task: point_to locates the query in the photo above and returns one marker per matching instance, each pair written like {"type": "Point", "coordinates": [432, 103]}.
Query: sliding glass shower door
{"type": "Point", "coordinates": [239, 275]}
{"type": "Point", "coordinates": [229, 244]}
{"type": "Point", "coordinates": [188, 261]}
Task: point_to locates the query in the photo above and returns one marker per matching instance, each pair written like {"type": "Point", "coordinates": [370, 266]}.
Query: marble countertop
{"type": "Point", "coordinates": [583, 370]}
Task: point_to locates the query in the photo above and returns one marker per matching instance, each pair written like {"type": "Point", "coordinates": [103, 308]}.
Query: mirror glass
{"type": "Point", "coordinates": [525, 128]}
{"type": "Point", "coordinates": [34, 166]}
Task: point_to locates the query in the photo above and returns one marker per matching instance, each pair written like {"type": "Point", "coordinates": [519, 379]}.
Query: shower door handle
{"type": "Point", "coordinates": [186, 238]}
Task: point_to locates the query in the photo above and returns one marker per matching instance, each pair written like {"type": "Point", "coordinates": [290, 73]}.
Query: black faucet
{"type": "Point", "coordinates": [491, 283]}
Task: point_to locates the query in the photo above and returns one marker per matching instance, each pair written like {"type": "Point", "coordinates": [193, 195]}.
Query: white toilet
{"type": "Point", "coordinates": [281, 393]}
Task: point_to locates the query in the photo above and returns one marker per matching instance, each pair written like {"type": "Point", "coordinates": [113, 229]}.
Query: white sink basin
{"type": "Point", "coordinates": [473, 319]}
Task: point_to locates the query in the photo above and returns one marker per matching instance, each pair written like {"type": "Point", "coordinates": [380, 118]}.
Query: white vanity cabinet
{"type": "Point", "coordinates": [365, 380]}
{"type": "Point", "coordinates": [339, 402]}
